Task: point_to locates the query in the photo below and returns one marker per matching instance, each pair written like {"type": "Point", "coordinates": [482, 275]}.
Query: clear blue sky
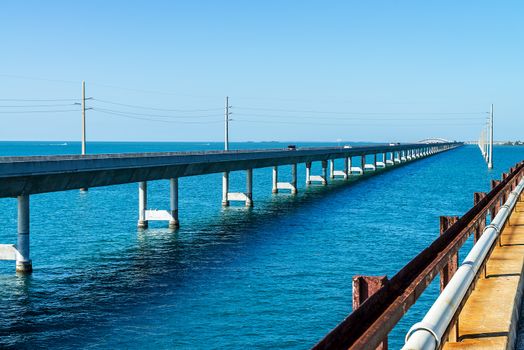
{"type": "Point", "coordinates": [295, 70]}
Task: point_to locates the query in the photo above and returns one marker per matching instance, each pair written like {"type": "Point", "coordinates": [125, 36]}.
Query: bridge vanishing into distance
{"type": "Point", "coordinates": [463, 316]}
{"type": "Point", "coordinates": [22, 177]}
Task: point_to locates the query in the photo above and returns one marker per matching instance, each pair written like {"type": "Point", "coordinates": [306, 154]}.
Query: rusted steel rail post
{"type": "Point", "coordinates": [363, 288]}
{"type": "Point", "coordinates": [367, 326]}
{"type": "Point", "coordinates": [451, 267]}
{"type": "Point", "coordinates": [477, 197]}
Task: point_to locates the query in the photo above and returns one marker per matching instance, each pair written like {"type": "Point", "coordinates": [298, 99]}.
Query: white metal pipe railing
{"type": "Point", "coordinates": [428, 333]}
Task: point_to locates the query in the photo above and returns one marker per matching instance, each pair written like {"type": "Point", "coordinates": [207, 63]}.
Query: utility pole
{"type": "Point", "coordinates": [83, 123]}
{"type": "Point", "coordinates": [490, 156]}
{"type": "Point", "coordinates": [225, 175]}
{"type": "Point", "coordinates": [83, 117]}
{"type": "Point", "coordinates": [226, 125]}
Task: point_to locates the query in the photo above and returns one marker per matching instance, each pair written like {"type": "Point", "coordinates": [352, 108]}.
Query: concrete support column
{"type": "Point", "coordinates": [142, 204]}
{"type": "Point", "coordinates": [375, 160]}
{"type": "Point", "coordinates": [294, 179]}
{"type": "Point", "coordinates": [346, 168]}
{"type": "Point", "coordinates": [308, 173]}
{"type": "Point", "coordinates": [173, 198]}
{"type": "Point", "coordinates": [249, 187]}
{"type": "Point", "coordinates": [275, 180]}
{"type": "Point", "coordinates": [363, 163]}
{"type": "Point", "coordinates": [324, 172]}
{"type": "Point", "coordinates": [23, 262]}
{"type": "Point", "coordinates": [331, 168]}
{"type": "Point", "coordinates": [349, 166]}
{"type": "Point", "coordinates": [225, 189]}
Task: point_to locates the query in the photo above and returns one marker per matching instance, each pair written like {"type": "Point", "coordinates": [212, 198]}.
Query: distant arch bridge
{"type": "Point", "coordinates": [434, 140]}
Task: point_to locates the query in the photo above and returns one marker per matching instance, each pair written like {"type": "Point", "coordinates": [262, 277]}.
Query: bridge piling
{"type": "Point", "coordinates": [225, 189]}
{"type": "Point", "coordinates": [249, 187]}
{"type": "Point", "coordinates": [275, 180]}
{"type": "Point", "coordinates": [292, 185]}
{"type": "Point", "coordinates": [308, 173]}
{"type": "Point", "coordinates": [23, 262]}
{"type": "Point", "coordinates": [324, 172]}
{"type": "Point", "coordinates": [294, 179]}
{"type": "Point", "coordinates": [142, 205]}
{"type": "Point", "coordinates": [317, 178]}
{"type": "Point", "coordinates": [174, 222]}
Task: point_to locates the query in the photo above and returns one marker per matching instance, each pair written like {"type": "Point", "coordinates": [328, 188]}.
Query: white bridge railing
{"type": "Point", "coordinates": [428, 333]}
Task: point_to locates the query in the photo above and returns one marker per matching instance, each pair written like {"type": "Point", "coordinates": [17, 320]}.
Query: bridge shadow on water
{"type": "Point", "coordinates": [161, 262]}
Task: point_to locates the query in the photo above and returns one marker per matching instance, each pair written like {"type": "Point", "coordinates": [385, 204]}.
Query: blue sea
{"type": "Point", "coordinates": [274, 276]}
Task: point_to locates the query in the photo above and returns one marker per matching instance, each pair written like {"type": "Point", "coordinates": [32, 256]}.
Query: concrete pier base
{"type": "Point", "coordinates": [324, 173]}
{"type": "Point", "coordinates": [246, 197]}
{"type": "Point", "coordinates": [308, 173]}
{"type": "Point", "coordinates": [249, 187]}
{"type": "Point", "coordinates": [225, 189]}
{"type": "Point", "coordinates": [23, 262]}
{"type": "Point", "coordinates": [274, 189]}
{"type": "Point", "coordinates": [142, 205]}
{"type": "Point", "coordinates": [291, 186]}
{"type": "Point", "coordinates": [173, 198]}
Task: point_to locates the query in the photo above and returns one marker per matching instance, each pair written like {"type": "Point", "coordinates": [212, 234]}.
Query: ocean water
{"type": "Point", "coordinates": [274, 276]}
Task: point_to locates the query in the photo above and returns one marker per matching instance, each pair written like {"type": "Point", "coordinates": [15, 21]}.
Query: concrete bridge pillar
{"type": "Point", "coordinates": [23, 262]}
{"type": "Point", "coordinates": [174, 223]}
{"type": "Point", "coordinates": [142, 204]}
{"type": "Point", "coordinates": [249, 187]}
{"type": "Point", "coordinates": [346, 168]}
{"type": "Point", "coordinates": [317, 178]}
{"type": "Point", "coordinates": [275, 180]}
{"type": "Point", "coordinates": [294, 179]}
{"type": "Point", "coordinates": [292, 185]}
{"type": "Point", "coordinates": [308, 173]}
{"type": "Point", "coordinates": [246, 197]}
{"type": "Point", "coordinates": [324, 172]}
{"type": "Point", "coordinates": [363, 163]}
{"type": "Point", "coordinates": [225, 189]}
{"type": "Point", "coordinates": [331, 168]}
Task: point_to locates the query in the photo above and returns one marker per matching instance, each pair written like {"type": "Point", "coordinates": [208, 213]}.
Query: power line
{"type": "Point", "coordinates": [32, 106]}
{"type": "Point", "coordinates": [357, 113]}
{"type": "Point", "coordinates": [157, 109]}
{"type": "Point", "coordinates": [39, 111]}
{"type": "Point", "coordinates": [124, 115]}
{"type": "Point", "coordinates": [367, 118]}
{"type": "Point", "coordinates": [340, 124]}
{"type": "Point", "coordinates": [156, 115]}
{"type": "Point", "coordinates": [37, 99]}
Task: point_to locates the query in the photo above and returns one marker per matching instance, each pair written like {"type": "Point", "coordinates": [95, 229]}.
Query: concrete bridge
{"type": "Point", "coordinates": [21, 177]}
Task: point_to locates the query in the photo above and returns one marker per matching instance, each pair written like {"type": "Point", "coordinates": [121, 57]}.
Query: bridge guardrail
{"type": "Point", "coordinates": [432, 331]}
{"type": "Point", "coordinates": [368, 326]}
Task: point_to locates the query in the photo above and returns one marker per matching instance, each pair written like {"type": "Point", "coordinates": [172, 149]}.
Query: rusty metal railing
{"type": "Point", "coordinates": [368, 326]}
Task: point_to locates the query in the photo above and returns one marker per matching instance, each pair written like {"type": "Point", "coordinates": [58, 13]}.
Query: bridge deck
{"type": "Point", "coordinates": [29, 175]}
{"type": "Point", "coordinates": [490, 316]}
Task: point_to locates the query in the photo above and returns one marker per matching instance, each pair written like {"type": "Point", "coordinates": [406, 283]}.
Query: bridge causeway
{"type": "Point", "coordinates": [22, 177]}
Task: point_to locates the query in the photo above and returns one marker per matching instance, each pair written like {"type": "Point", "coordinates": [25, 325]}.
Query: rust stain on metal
{"type": "Point", "coordinates": [367, 326]}
{"type": "Point", "coordinates": [452, 266]}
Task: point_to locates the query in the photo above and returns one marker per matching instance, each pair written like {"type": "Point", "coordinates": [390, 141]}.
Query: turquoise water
{"type": "Point", "coordinates": [274, 276]}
